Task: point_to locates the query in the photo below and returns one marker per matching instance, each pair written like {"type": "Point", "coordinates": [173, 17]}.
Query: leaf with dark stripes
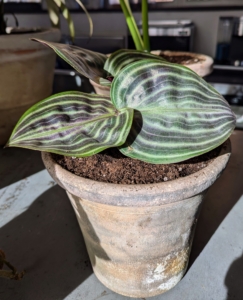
{"type": "Point", "coordinates": [72, 124]}
{"type": "Point", "coordinates": [88, 63]}
{"type": "Point", "coordinates": [121, 58]}
{"type": "Point", "coordinates": [177, 114]}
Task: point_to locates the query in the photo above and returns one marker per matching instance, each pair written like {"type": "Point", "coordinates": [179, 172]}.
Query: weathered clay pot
{"type": "Point", "coordinates": [26, 76]}
{"type": "Point", "coordinates": [199, 63]}
{"type": "Point", "coordinates": [138, 237]}
{"type": "Point", "coordinates": [100, 89]}
{"type": "Point", "coordinates": [202, 65]}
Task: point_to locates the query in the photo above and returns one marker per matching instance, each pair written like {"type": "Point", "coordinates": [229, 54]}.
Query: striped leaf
{"type": "Point", "coordinates": [104, 82]}
{"type": "Point", "coordinates": [88, 63]}
{"type": "Point", "coordinates": [72, 124]}
{"type": "Point", "coordinates": [121, 58]}
{"type": "Point", "coordinates": [177, 114]}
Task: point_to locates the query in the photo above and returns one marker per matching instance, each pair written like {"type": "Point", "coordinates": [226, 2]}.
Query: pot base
{"type": "Point", "coordinates": [138, 252]}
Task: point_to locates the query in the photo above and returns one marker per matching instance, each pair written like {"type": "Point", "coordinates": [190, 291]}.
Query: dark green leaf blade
{"type": "Point", "coordinates": [119, 59]}
{"type": "Point", "coordinates": [88, 63]}
{"type": "Point", "coordinates": [177, 114]}
{"type": "Point", "coordinates": [72, 124]}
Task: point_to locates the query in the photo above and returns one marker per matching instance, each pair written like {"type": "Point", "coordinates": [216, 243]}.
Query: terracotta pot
{"type": "Point", "coordinates": [26, 77]}
{"type": "Point", "coordinates": [138, 237]}
{"type": "Point", "coordinates": [100, 89]}
{"type": "Point", "coordinates": [203, 66]}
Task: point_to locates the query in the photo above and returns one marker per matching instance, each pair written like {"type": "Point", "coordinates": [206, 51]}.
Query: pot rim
{"type": "Point", "coordinates": [139, 194]}
{"type": "Point", "coordinates": [9, 42]}
{"type": "Point", "coordinates": [202, 68]}
{"type": "Point", "coordinates": [178, 53]}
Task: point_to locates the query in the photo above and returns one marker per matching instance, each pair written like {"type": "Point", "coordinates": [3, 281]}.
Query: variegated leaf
{"type": "Point", "coordinates": [72, 124]}
{"type": "Point", "coordinates": [104, 82]}
{"type": "Point", "coordinates": [177, 114]}
{"type": "Point", "coordinates": [88, 63]}
{"type": "Point", "coordinates": [119, 59]}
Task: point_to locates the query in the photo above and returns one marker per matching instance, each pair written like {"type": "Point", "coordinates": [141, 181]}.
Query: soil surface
{"type": "Point", "coordinates": [182, 59]}
{"type": "Point", "coordinates": [113, 167]}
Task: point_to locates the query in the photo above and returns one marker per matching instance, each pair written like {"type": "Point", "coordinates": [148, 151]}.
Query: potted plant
{"type": "Point", "coordinates": [138, 232]}
{"type": "Point", "coordinates": [27, 68]}
{"type": "Point", "coordinates": [199, 63]}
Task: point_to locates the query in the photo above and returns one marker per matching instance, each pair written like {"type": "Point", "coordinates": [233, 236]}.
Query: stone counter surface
{"type": "Point", "coordinates": [39, 233]}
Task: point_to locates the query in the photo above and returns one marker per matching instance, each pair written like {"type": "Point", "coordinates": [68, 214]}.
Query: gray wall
{"type": "Point", "coordinates": [113, 24]}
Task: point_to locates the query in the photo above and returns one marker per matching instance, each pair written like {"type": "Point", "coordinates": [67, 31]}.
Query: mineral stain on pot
{"type": "Point", "coordinates": [171, 270]}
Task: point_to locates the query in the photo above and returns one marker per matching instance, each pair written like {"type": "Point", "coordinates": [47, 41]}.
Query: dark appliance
{"type": "Point", "coordinates": [168, 35]}
{"type": "Point", "coordinates": [236, 45]}
{"type": "Point", "coordinates": [224, 35]}
{"type": "Point", "coordinates": [228, 81]}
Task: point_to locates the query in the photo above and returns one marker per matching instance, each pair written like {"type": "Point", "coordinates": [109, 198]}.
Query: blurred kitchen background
{"type": "Point", "coordinates": [211, 27]}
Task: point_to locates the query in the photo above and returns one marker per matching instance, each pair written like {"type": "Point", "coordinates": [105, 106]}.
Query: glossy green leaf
{"type": "Point", "coordinates": [104, 82]}
{"type": "Point", "coordinates": [88, 63]}
{"type": "Point", "coordinates": [72, 124]}
{"type": "Point", "coordinates": [177, 114]}
{"type": "Point", "coordinates": [132, 25]}
{"type": "Point", "coordinates": [145, 25]}
{"type": "Point", "coordinates": [121, 58]}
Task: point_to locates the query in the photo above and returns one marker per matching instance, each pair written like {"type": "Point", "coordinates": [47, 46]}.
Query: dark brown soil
{"type": "Point", "coordinates": [113, 167]}
{"type": "Point", "coordinates": [182, 59]}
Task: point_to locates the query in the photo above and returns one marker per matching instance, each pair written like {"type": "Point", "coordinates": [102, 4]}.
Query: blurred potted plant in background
{"type": "Point", "coordinates": [27, 68]}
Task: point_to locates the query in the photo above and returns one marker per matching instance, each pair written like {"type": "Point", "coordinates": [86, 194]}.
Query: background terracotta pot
{"type": "Point", "coordinates": [26, 77]}
{"type": "Point", "coordinates": [138, 237]}
{"type": "Point", "coordinates": [100, 89]}
{"type": "Point", "coordinates": [199, 63]}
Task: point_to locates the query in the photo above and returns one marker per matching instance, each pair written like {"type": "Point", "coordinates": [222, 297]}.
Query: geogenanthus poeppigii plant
{"type": "Point", "coordinates": [158, 112]}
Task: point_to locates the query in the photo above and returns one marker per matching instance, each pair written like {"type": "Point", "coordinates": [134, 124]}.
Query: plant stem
{"type": "Point", "coordinates": [13, 274]}
{"type": "Point", "coordinates": [145, 25]}
{"type": "Point", "coordinates": [132, 24]}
